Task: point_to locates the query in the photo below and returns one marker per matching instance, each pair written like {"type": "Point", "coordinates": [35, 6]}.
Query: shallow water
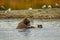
{"type": "Point", "coordinates": [50, 30]}
{"type": "Point", "coordinates": [12, 23]}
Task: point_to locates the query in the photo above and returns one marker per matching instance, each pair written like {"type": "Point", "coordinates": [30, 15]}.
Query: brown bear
{"type": "Point", "coordinates": [24, 23]}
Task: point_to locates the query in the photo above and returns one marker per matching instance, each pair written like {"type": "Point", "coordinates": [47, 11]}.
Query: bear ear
{"type": "Point", "coordinates": [25, 18]}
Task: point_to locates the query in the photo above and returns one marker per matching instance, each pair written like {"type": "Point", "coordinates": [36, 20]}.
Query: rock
{"type": "Point", "coordinates": [31, 16]}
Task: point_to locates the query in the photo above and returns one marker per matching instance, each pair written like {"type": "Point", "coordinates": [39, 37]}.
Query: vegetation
{"type": "Point", "coordinates": [25, 4]}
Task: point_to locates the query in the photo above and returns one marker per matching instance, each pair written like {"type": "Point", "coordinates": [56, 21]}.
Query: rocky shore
{"type": "Point", "coordinates": [36, 14]}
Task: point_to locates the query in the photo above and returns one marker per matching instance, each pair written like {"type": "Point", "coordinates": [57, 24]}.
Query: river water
{"type": "Point", "coordinates": [50, 30]}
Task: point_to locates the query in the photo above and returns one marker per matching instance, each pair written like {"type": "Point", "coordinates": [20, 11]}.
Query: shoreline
{"type": "Point", "coordinates": [53, 13]}
{"type": "Point", "coordinates": [35, 16]}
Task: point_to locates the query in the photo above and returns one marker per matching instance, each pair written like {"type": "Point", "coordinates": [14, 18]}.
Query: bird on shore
{"type": "Point", "coordinates": [8, 11]}
{"type": "Point", "coordinates": [44, 6]}
{"type": "Point", "coordinates": [30, 9]}
{"type": "Point", "coordinates": [49, 6]}
{"type": "Point", "coordinates": [57, 5]}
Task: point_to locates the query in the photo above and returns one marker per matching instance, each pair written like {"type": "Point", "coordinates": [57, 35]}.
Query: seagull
{"type": "Point", "coordinates": [44, 6]}
{"type": "Point", "coordinates": [30, 8]}
{"type": "Point", "coordinates": [57, 5]}
{"type": "Point", "coordinates": [49, 6]}
{"type": "Point", "coordinates": [7, 11]}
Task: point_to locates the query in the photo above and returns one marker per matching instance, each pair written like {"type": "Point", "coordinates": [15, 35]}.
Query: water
{"type": "Point", "coordinates": [50, 30]}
